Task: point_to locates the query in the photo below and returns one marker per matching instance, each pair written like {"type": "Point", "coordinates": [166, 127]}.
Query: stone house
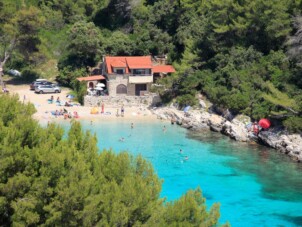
{"type": "Point", "coordinates": [132, 76]}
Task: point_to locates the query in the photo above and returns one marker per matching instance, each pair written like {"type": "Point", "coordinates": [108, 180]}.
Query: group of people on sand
{"type": "Point", "coordinates": [66, 114]}
{"type": "Point", "coordinates": [58, 101]}
{"type": "Point", "coordinates": [122, 112]}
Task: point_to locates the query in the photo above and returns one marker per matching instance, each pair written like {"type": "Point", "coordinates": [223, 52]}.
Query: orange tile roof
{"type": "Point", "coordinates": [119, 63]}
{"type": "Point", "coordinates": [136, 62]}
{"type": "Point", "coordinates": [163, 69]}
{"type": "Point", "coordinates": [143, 62]}
{"type": "Point", "coordinates": [90, 78]}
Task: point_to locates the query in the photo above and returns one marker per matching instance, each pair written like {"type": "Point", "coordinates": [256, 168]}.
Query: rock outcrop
{"type": "Point", "coordinates": [236, 129]}
{"type": "Point", "coordinates": [288, 144]}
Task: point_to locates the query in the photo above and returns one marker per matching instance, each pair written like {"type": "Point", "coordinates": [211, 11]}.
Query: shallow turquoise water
{"type": "Point", "coordinates": [255, 185]}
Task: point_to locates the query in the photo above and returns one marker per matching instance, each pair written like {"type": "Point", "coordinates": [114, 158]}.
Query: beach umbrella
{"type": "Point", "coordinates": [100, 85]}
{"type": "Point", "coordinates": [264, 123]}
{"type": "Point", "coordinates": [186, 109]}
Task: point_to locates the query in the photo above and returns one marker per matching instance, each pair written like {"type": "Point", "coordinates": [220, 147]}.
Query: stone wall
{"type": "Point", "coordinates": [150, 100]}
{"type": "Point", "coordinates": [114, 82]}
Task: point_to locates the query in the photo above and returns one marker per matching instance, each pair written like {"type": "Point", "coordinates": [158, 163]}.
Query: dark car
{"type": "Point", "coordinates": [36, 83]}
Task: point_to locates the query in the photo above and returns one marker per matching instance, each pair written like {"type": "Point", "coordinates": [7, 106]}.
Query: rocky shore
{"type": "Point", "coordinates": [199, 120]}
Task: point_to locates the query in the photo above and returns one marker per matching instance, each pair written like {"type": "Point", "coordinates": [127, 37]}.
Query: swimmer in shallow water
{"type": "Point", "coordinates": [164, 129]}
{"type": "Point", "coordinates": [186, 158]}
{"type": "Point", "coordinates": [122, 139]}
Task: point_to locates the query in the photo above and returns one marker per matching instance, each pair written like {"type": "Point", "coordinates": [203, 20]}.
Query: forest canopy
{"type": "Point", "coordinates": [244, 56]}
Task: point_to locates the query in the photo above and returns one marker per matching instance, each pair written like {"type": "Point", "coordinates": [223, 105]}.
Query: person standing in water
{"type": "Point", "coordinates": [132, 126]}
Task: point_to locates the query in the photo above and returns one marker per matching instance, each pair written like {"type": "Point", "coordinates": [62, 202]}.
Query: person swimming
{"type": "Point", "coordinates": [164, 129]}
{"type": "Point", "coordinates": [122, 139]}
{"type": "Point", "coordinates": [186, 158]}
{"type": "Point", "coordinates": [180, 150]}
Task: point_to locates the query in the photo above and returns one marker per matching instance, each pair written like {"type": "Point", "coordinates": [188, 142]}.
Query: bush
{"type": "Point", "coordinates": [29, 75]}
{"type": "Point", "coordinates": [68, 75]}
{"type": "Point", "coordinates": [80, 89]}
{"type": "Point", "coordinates": [293, 124]}
{"type": "Point", "coordinates": [186, 100]}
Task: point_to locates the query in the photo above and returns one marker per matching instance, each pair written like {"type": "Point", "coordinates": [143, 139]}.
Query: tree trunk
{"type": "Point", "coordinates": [1, 74]}
{"type": "Point", "coordinates": [2, 63]}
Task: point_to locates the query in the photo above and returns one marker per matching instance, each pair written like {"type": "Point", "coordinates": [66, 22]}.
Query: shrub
{"type": "Point", "coordinates": [186, 100]}
{"type": "Point", "coordinates": [29, 75]}
{"type": "Point", "coordinates": [293, 124]}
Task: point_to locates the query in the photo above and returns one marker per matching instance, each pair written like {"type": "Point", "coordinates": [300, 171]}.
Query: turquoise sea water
{"type": "Point", "coordinates": [255, 185]}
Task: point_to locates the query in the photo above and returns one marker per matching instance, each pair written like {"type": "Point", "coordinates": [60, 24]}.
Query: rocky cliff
{"type": "Point", "coordinates": [236, 129]}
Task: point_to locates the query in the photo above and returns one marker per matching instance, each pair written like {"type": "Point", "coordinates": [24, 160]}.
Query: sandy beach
{"type": "Point", "coordinates": [44, 109]}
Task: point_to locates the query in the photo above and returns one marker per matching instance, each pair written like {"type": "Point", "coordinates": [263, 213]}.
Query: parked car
{"type": "Point", "coordinates": [14, 72]}
{"type": "Point", "coordinates": [38, 82]}
{"type": "Point", "coordinates": [47, 89]}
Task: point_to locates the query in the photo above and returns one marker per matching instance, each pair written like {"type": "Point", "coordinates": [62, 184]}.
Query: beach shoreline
{"type": "Point", "coordinates": [45, 111]}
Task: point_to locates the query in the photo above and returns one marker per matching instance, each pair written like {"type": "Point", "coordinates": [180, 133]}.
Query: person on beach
{"type": "Point", "coordinates": [122, 111]}
{"type": "Point", "coordinates": [117, 113]}
{"type": "Point", "coordinates": [103, 107]}
{"type": "Point", "coordinates": [56, 113]}
{"type": "Point", "coordinates": [58, 99]}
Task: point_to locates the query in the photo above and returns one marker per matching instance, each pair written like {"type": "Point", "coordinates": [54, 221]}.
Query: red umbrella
{"type": "Point", "coordinates": [264, 123]}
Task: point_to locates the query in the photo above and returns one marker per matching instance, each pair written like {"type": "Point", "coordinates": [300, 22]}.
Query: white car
{"type": "Point", "coordinates": [41, 89]}
{"type": "Point", "coordinates": [14, 72]}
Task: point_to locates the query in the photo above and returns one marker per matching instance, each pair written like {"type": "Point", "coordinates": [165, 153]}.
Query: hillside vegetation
{"type": "Point", "coordinates": [243, 55]}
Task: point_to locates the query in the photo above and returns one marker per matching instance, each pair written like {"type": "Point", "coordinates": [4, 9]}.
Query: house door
{"type": "Point", "coordinates": [139, 88]}
{"type": "Point", "coordinates": [121, 89]}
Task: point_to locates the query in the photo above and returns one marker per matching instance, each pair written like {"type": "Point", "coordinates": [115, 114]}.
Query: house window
{"type": "Point", "coordinates": [141, 71]}
{"type": "Point", "coordinates": [120, 71]}
{"type": "Point", "coordinates": [121, 89]}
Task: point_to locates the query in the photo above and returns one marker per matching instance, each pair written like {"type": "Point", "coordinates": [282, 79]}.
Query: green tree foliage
{"type": "Point", "coordinates": [21, 33]}
{"type": "Point", "coordinates": [226, 49]}
{"type": "Point", "coordinates": [83, 45]}
{"type": "Point", "coordinates": [293, 124]}
{"type": "Point", "coordinates": [74, 10]}
{"type": "Point", "coordinates": [51, 178]}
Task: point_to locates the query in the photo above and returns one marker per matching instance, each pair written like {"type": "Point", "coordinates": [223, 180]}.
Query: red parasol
{"type": "Point", "coordinates": [264, 123]}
